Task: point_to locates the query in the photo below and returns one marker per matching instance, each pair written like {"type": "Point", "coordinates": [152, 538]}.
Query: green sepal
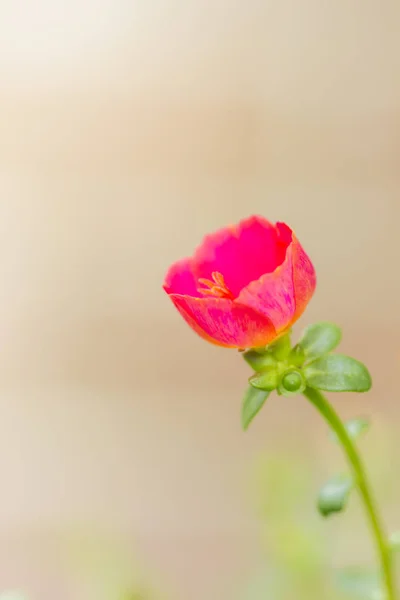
{"type": "Point", "coordinates": [281, 348]}
{"type": "Point", "coordinates": [354, 428]}
{"type": "Point", "coordinates": [338, 373]}
{"type": "Point", "coordinates": [258, 361]}
{"type": "Point", "coordinates": [319, 339]}
{"type": "Point", "coordinates": [253, 401]}
{"type": "Point", "coordinates": [266, 380]}
{"type": "Point", "coordinates": [297, 356]}
{"type": "Point", "coordinates": [334, 495]}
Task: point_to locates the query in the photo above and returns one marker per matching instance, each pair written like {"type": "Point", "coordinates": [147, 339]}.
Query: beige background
{"type": "Point", "coordinates": [128, 130]}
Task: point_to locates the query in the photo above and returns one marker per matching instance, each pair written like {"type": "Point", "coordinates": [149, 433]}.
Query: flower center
{"type": "Point", "coordinates": [217, 287]}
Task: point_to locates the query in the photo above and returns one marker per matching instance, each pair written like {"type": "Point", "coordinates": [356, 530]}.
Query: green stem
{"type": "Point", "coordinates": [330, 415]}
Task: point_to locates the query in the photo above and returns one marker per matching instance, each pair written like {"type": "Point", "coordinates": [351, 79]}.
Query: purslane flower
{"type": "Point", "coordinates": [245, 285]}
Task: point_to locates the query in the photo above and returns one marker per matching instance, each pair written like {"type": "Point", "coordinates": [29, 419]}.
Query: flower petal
{"type": "Point", "coordinates": [284, 294]}
{"type": "Point", "coordinates": [273, 294]}
{"type": "Point", "coordinates": [180, 279]}
{"type": "Point", "coordinates": [242, 253]}
{"type": "Point", "coordinates": [225, 322]}
{"type": "Point", "coordinates": [304, 278]}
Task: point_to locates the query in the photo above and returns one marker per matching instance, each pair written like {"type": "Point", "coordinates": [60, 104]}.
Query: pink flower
{"type": "Point", "coordinates": [245, 285]}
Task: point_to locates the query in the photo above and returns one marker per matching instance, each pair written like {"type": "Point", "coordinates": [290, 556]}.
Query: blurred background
{"type": "Point", "coordinates": [129, 129]}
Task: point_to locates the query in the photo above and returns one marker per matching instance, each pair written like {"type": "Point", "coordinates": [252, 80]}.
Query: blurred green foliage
{"type": "Point", "coordinates": [296, 556]}
{"type": "Point", "coordinates": [297, 542]}
{"type": "Point", "coordinates": [299, 549]}
{"type": "Point", "coordinates": [105, 566]}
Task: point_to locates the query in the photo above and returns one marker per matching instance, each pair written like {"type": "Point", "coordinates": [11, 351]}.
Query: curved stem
{"type": "Point", "coordinates": [360, 478]}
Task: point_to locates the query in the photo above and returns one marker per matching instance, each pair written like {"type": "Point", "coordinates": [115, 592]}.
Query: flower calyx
{"type": "Point", "coordinates": [309, 364]}
{"type": "Point", "coordinates": [277, 367]}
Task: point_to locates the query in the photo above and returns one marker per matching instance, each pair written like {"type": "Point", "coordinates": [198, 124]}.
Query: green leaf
{"type": "Point", "coordinates": [394, 541]}
{"type": "Point", "coordinates": [354, 427]}
{"type": "Point", "coordinates": [334, 495]}
{"type": "Point", "coordinates": [360, 583]}
{"type": "Point", "coordinates": [319, 339]}
{"type": "Point", "coordinates": [259, 361]}
{"type": "Point", "coordinates": [253, 401]}
{"type": "Point", "coordinates": [266, 380]}
{"type": "Point", "coordinates": [338, 373]}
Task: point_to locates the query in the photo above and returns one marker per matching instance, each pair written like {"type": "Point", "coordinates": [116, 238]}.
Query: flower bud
{"type": "Point", "coordinates": [292, 383]}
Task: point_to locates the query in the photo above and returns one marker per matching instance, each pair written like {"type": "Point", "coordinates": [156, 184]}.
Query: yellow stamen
{"type": "Point", "coordinates": [217, 287]}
